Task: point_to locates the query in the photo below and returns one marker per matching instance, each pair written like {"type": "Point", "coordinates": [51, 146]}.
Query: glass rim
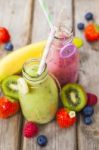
{"type": "Point", "coordinates": [63, 28]}
{"type": "Point", "coordinates": [36, 78]}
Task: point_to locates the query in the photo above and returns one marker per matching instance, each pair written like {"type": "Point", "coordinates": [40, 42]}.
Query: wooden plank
{"type": "Point", "coordinates": [57, 138]}
{"type": "Point", "coordinates": [89, 72]}
{"type": "Point", "coordinates": [15, 15]}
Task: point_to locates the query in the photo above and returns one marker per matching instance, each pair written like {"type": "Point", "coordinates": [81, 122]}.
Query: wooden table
{"type": "Point", "coordinates": [27, 24]}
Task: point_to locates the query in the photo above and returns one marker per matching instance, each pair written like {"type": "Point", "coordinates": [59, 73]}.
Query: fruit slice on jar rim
{"type": "Point", "coordinates": [67, 51]}
{"type": "Point", "coordinates": [22, 86]}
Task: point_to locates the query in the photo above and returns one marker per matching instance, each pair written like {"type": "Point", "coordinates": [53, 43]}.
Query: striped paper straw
{"type": "Point", "coordinates": [46, 50]}
{"type": "Point", "coordinates": [50, 38]}
{"type": "Point", "coordinates": [46, 13]}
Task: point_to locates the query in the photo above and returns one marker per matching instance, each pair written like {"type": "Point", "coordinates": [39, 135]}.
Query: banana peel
{"type": "Point", "coordinates": [13, 62]}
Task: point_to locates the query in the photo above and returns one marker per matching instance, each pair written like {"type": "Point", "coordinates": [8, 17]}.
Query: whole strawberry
{"type": "Point", "coordinates": [92, 32]}
{"type": "Point", "coordinates": [4, 35]}
{"type": "Point", "coordinates": [65, 118]}
{"type": "Point", "coordinates": [30, 130]}
{"type": "Point", "coordinates": [8, 108]}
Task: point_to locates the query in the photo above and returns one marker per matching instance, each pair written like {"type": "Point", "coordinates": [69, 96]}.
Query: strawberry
{"type": "Point", "coordinates": [92, 32]}
{"type": "Point", "coordinates": [8, 108]}
{"type": "Point", "coordinates": [65, 118]}
{"type": "Point", "coordinates": [4, 35]}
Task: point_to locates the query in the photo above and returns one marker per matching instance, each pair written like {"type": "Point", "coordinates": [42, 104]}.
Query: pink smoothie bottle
{"type": "Point", "coordinates": [63, 58]}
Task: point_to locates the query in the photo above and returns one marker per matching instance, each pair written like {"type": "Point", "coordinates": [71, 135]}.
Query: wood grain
{"type": "Point", "coordinates": [57, 138]}
{"type": "Point", "coordinates": [89, 71]}
{"type": "Point", "coordinates": [16, 16]}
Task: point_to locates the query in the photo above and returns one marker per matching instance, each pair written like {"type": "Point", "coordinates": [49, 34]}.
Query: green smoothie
{"type": "Point", "coordinates": [39, 104]}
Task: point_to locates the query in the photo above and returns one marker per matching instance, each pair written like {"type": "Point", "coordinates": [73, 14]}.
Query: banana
{"type": "Point", "coordinates": [13, 62]}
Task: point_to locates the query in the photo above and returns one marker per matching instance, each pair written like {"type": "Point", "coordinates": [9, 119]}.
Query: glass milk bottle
{"type": "Point", "coordinates": [38, 94]}
{"type": "Point", "coordinates": [63, 58]}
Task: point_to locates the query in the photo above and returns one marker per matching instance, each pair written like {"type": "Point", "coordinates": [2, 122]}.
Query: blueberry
{"type": "Point", "coordinates": [89, 16]}
{"type": "Point", "coordinates": [88, 111]}
{"type": "Point", "coordinates": [42, 140]}
{"type": "Point", "coordinates": [80, 26]}
{"type": "Point", "coordinates": [87, 120]}
{"type": "Point", "coordinates": [8, 46]}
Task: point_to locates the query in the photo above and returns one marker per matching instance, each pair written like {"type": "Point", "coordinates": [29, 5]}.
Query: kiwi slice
{"type": "Point", "coordinates": [11, 99]}
{"type": "Point", "coordinates": [9, 86]}
{"type": "Point", "coordinates": [73, 97]}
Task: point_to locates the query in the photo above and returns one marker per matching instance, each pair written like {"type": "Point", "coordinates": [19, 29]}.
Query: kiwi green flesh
{"type": "Point", "coordinates": [73, 97]}
{"type": "Point", "coordinates": [7, 85]}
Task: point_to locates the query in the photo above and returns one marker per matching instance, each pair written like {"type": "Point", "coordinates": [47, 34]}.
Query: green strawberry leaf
{"type": "Point", "coordinates": [97, 27]}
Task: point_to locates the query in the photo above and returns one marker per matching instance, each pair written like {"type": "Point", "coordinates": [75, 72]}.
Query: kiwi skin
{"type": "Point", "coordinates": [11, 99]}
{"type": "Point", "coordinates": [7, 90]}
{"type": "Point", "coordinates": [83, 97]}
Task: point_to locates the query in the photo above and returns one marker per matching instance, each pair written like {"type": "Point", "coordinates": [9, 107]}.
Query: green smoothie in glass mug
{"type": "Point", "coordinates": [38, 94]}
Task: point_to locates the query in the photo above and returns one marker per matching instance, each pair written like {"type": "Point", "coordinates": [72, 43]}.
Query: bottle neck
{"type": "Point", "coordinates": [64, 34]}
{"type": "Point", "coordinates": [29, 71]}
{"type": "Point", "coordinates": [62, 38]}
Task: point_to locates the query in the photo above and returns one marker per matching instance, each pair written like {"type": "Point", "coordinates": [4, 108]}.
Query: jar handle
{"type": "Point", "coordinates": [58, 84]}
